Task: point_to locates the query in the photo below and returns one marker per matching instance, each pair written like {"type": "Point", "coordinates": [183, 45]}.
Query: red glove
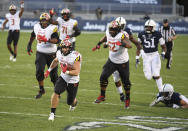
{"type": "Point", "coordinates": [96, 47]}
{"type": "Point", "coordinates": [46, 74]}
{"type": "Point", "coordinates": [118, 43]}
{"type": "Point", "coordinates": [64, 67]}
{"type": "Point", "coordinates": [52, 12]}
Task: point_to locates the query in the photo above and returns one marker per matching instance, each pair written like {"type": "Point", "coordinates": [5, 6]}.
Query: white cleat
{"type": "Point", "coordinates": [72, 108]}
{"type": "Point", "coordinates": [14, 60]}
{"type": "Point", "coordinates": [51, 117]}
{"type": "Point", "coordinates": [11, 57]}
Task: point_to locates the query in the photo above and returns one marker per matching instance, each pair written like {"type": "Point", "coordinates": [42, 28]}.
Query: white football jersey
{"type": "Point", "coordinates": [13, 21]}
{"type": "Point", "coordinates": [117, 54]}
{"type": "Point", "coordinates": [69, 59]}
{"type": "Point", "coordinates": [47, 32]}
{"type": "Point", "coordinates": [66, 28]}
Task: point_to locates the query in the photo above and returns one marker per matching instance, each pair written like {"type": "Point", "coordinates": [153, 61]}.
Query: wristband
{"type": "Point", "coordinates": [50, 69]}
{"type": "Point", "coordinates": [67, 72]}
{"type": "Point", "coordinates": [137, 57]}
{"type": "Point", "coordinates": [22, 5]}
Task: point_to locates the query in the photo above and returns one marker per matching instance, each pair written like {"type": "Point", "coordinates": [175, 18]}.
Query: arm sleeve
{"type": "Point", "coordinates": [33, 34]}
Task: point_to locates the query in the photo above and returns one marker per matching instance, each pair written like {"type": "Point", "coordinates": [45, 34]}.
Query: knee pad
{"type": "Point", "coordinates": [156, 77]}
{"type": "Point", "coordinates": [40, 75]}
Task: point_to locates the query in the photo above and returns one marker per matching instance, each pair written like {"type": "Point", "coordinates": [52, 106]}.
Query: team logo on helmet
{"type": "Point", "coordinates": [44, 16]}
{"type": "Point", "coordinates": [12, 7]}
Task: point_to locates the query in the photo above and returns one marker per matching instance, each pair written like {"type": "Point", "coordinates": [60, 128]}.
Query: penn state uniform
{"type": "Point", "coordinates": [65, 81]}
{"type": "Point", "coordinates": [66, 28]}
{"type": "Point", "coordinates": [118, 59]}
{"type": "Point", "coordinates": [46, 52]}
{"type": "Point", "coordinates": [150, 56]}
{"type": "Point", "coordinates": [116, 75]}
{"type": "Point", "coordinates": [174, 99]}
{"type": "Point", "coordinates": [14, 27]}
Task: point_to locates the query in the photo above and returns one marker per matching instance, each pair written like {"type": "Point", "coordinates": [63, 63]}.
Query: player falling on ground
{"type": "Point", "coordinates": [46, 35]}
{"type": "Point", "coordinates": [13, 19]}
{"type": "Point", "coordinates": [68, 27]}
{"type": "Point", "coordinates": [151, 58]}
{"type": "Point", "coordinates": [70, 62]}
{"type": "Point", "coordinates": [117, 41]}
{"type": "Point", "coordinates": [171, 98]}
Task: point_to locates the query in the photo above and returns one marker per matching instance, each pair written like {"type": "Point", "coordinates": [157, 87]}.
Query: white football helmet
{"type": "Point", "coordinates": [12, 7]}
{"type": "Point", "coordinates": [168, 90]}
{"type": "Point", "coordinates": [150, 23]}
{"type": "Point", "coordinates": [122, 22]}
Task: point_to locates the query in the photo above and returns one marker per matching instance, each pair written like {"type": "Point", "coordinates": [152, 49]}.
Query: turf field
{"type": "Point", "coordinates": [20, 111]}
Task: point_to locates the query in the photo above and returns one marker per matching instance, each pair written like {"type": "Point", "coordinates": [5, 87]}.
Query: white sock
{"type": "Point", "coordinates": [119, 89]}
{"type": "Point", "coordinates": [159, 83]}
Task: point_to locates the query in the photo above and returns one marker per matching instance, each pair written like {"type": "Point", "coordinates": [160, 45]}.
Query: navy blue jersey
{"type": "Point", "coordinates": [150, 41]}
{"type": "Point", "coordinates": [175, 99]}
{"type": "Point", "coordinates": [129, 31]}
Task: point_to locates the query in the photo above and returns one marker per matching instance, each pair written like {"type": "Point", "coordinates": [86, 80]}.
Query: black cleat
{"type": "Point", "coordinates": [39, 95]}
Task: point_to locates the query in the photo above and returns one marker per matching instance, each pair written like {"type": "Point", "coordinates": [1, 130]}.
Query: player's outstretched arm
{"type": "Point", "coordinates": [22, 8]}
{"type": "Point", "coordinates": [126, 43]}
{"type": "Point", "coordinates": [52, 66]}
{"type": "Point", "coordinates": [103, 39]}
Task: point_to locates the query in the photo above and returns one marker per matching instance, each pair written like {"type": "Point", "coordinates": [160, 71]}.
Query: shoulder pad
{"type": "Point", "coordinates": [75, 23]}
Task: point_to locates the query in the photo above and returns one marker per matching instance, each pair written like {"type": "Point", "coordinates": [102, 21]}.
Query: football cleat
{"type": "Point", "coordinates": [11, 57]}
{"type": "Point", "coordinates": [40, 93]}
{"type": "Point", "coordinates": [127, 103]}
{"type": "Point", "coordinates": [99, 99]}
{"type": "Point", "coordinates": [14, 60]}
{"type": "Point", "coordinates": [51, 117]}
{"type": "Point", "coordinates": [122, 97]}
{"type": "Point", "coordinates": [72, 108]}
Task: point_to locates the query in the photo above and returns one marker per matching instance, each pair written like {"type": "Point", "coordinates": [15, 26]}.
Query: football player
{"type": "Point", "coordinates": [68, 27]}
{"type": "Point", "coordinates": [118, 43]}
{"type": "Point", "coordinates": [46, 35]}
{"type": "Point", "coordinates": [151, 58]}
{"type": "Point", "coordinates": [171, 98]}
{"type": "Point", "coordinates": [13, 19]}
{"type": "Point", "coordinates": [70, 63]}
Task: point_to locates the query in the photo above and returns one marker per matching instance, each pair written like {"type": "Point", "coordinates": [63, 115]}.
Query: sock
{"type": "Point", "coordinates": [41, 87]}
{"type": "Point", "coordinates": [14, 55]}
{"type": "Point", "coordinates": [103, 93]}
{"type": "Point", "coordinates": [127, 95]}
{"type": "Point", "coordinates": [120, 90]}
{"type": "Point", "coordinates": [159, 84]}
{"type": "Point", "coordinates": [53, 110]}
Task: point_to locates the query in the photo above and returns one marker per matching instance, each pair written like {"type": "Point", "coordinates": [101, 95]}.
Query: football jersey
{"type": "Point", "coordinates": [66, 28]}
{"type": "Point", "coordinates": [47, 32]}
{"type": "Point", "coordinates": [150, 41]}
{"type": "Point", "coordinates": [13, 21]}
{"type": "Point", "coordinates": [117, 54]}
{"type": "Point", "coordinates": [69, 60]}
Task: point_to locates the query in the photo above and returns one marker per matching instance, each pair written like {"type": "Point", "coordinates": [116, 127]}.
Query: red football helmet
{"type": "Point", "coordinates": [114, 28]}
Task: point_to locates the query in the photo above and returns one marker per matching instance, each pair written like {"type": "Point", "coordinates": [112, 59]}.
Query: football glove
{"type": "Point", "coordinates": [163, 55]}
{"type": "Point", "coordinates": [29, 50]}
{"type": "Point", "coordinates": [52, 12]}
{"type": "Point", "coordinates": [63, 67]}
{"type": "Point", "coordinates": [46, 74]}
{"type": "Point", "coordinates": [96, 47]}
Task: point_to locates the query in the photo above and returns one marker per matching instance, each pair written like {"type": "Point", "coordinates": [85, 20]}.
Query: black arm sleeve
{"type": "Point", "coordinates": [77, 32]}
{"type": "Point", "coordinates": [33, 34]}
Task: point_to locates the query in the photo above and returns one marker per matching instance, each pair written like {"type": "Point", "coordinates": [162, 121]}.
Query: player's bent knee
{"type": "Point", "coordinates": [103, 84]}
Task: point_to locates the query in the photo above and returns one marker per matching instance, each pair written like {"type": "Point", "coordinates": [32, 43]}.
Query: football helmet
{"type": "Point", "coordinates": [150, 26]}
{"type": "Point", "coordinates": [167, 92]}
{"type": "Point", "coordinates": [44, 20]}
{"type": "Point", "coordinates": [114, 28]}
{"type": "Point", "coordinates": [12, 9]}
{"type": "Point", "coordinates": [65, 13]}
{"type": "Point", "coordinates": [122, 22]}
{"type": "Point", "coordinates": [66, 46]}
